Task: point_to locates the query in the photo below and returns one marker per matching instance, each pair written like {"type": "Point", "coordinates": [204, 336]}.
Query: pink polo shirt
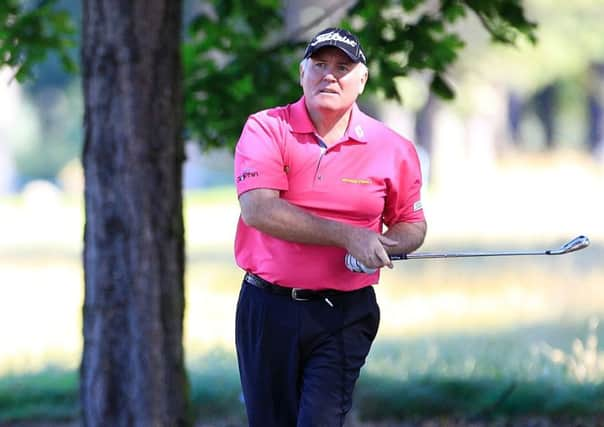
{"type": "Point", "coordinates": [369, 178]}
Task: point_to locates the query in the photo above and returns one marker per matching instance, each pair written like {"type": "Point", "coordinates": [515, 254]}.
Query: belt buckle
{"type": "Point", "coordinates": [295, 296]}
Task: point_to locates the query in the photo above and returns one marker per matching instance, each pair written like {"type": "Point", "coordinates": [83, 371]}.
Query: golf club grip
{"type": "Point", "coordinates": [355, 266]}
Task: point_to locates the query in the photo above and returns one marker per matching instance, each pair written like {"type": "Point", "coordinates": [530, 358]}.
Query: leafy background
{"type": "Point", "coordinates": [472, 341]}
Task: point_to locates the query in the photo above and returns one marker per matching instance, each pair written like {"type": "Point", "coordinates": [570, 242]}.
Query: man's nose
{"type": "Point", "coordinates": [330, 74]}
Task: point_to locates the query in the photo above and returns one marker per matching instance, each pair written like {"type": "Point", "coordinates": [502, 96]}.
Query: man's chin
{"type": "Point", "coordinates": [328, 104]}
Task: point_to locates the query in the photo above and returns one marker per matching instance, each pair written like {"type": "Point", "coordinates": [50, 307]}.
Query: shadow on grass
{"type": "Point", "coordinates": [473, 399]}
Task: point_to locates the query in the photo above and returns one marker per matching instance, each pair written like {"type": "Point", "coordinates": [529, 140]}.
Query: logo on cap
{"type": "Point", "coordinates": [333, 36]}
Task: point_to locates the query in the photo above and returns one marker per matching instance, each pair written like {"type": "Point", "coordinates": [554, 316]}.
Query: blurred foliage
{"type": "Point", "coordinates": [58, 132]}
{"type": "Point", "coordinates": [51, 73]}
{"type": "Point", "coordinates": [29, 31]}
{"type": "Point", "coordinates": [39, 41]}
{"type": "Point", "coordinates": [570, 37]}
{"type": "Point", "coordinates": [237, 59]}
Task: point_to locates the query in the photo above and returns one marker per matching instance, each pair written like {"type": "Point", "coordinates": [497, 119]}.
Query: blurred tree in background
{"type": "Point", "coordinates": [29, 31]}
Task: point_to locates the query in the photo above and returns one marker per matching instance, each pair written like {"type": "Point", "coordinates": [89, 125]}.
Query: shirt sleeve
{"type": "Point", "coordinates": [259, 157]}
{"type": "Point", "coordinates": [403, 199]}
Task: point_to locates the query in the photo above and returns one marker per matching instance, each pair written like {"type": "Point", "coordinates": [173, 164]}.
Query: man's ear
{"type": "Point", "coordinates": [362, 84]}
{"type": "Point", "coordinates": [301, 73]}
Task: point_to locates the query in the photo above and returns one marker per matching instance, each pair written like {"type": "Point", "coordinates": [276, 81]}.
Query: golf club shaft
{"type": "Point", "coordinates": [573, 245]}
{"type": "Point", "coordinates": [427, 255]}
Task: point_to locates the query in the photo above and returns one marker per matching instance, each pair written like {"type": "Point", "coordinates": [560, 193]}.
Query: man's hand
{"type": "Point", "coordinates": [369, 248]}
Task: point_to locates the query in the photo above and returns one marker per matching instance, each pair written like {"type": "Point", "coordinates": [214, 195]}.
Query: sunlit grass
{"type": "Point", "coordinates": [475, 327]}
{"type": "Point", "coordinates": [45, 301]}
{"type": "Point", "coordinates": [41, 278]}
{"type": "Point", "coordinates": [466, 295]}
{"type": "Point", "coordinates": [40, 312]}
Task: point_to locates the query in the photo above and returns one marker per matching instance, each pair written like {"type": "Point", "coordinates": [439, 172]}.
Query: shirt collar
{"type": "Point", "coordinates": [300, 121]}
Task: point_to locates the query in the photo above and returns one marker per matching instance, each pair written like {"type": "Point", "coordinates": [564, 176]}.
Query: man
{"type": "Point", "coordinates": [317, 179]}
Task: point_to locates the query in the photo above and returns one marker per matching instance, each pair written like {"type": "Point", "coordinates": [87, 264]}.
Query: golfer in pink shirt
{"type": "Point", "coordinates": [317, 179]}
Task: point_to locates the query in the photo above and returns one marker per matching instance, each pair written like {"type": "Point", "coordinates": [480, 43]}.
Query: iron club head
{"type": "Point", "coordinates": [578, 243]}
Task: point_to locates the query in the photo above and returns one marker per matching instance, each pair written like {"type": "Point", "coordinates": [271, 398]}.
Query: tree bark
{"type": "Point", "coordinates": [132, 370]}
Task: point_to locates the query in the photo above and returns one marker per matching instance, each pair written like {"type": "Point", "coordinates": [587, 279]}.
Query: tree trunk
{"type": "Point", "coordinates": [515, 110]}
{"type": "Point", "coordinates": [132, 371]}
{"type": "Point", "coordinates": [545, 107]}
{"type": "Point", "coordinates": [595, 109]}
{"type": "Point", "coordinates": [424, 124]}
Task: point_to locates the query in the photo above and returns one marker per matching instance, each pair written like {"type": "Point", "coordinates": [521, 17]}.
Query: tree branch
{"type": "Point", "coordinates": [292, 37]}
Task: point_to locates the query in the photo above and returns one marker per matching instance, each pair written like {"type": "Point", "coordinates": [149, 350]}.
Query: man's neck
{"type": "Point", "coordinates": [330, 126]}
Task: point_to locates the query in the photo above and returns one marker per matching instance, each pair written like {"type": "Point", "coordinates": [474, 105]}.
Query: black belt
{"type": "Point", "coordinates": [297, 294]}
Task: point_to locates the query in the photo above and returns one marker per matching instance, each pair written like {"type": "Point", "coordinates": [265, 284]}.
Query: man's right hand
{"type": "Point", "coordinates": [369, 247]}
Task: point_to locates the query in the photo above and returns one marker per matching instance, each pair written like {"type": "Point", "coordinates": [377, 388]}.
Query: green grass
{"type": "Point", "coordinates": [47, 395]}
{"type": "Point", "coordinates": [472, 376]}
{"type": "Point", "coordinates": [474, 339]}
{"type": "Point", "coordinates": [52, 394]}
{"type": "Point", "coordinates": [215, 389]}
{"type": "Point", "coordinates": [215, 395]}
{"type": "Point", "coordinates": [541, 370]}
{"type": "Point", "coordinates": [380, 398]}
{"type": "Point", "coordinates": [552, 366]}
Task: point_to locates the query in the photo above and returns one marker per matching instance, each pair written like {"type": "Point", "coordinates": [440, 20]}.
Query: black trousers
{"type": "Point", "coordinates": [299, 360]}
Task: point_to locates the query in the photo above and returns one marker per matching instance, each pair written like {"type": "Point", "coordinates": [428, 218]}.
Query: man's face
{"type": "Point", "coordinates": [331, 81]}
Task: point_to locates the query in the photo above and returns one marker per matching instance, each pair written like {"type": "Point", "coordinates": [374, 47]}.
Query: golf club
{"type": "Point", "coordinates": [578, 243]}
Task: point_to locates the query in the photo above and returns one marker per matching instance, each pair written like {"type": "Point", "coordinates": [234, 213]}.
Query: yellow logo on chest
{"type": "Point", "coordinates": [356, 181]}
